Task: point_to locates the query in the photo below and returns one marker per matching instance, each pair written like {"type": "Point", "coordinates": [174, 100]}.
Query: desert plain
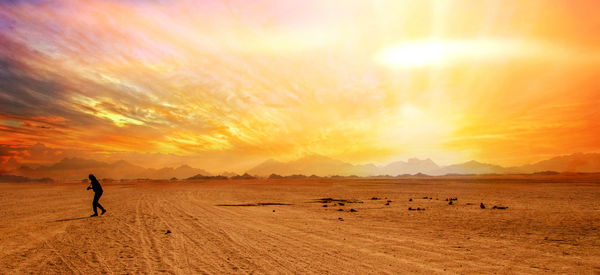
{"type": "Point", "coordinates": [551, 225]}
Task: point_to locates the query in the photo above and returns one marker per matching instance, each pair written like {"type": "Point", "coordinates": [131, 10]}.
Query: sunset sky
{"type": "Point", "coordinates": [223, 85]}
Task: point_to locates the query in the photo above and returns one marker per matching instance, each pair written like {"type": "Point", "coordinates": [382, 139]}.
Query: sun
{"type": "Point", "coordinates": [437, 52]}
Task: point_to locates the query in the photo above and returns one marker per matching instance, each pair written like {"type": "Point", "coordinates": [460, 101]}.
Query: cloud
{"type": "Point", "coordinates": [282, 79]}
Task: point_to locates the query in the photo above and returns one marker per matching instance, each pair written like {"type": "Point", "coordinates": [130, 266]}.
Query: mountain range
{"type": "Point", "coordinates": [324, 166]}
{"type": "Point", "coordinates": [79, 168]}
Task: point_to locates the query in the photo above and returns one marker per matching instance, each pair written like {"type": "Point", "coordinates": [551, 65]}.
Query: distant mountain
{"type": "Point", "coordinates": [578, 162]}
{"type": "Point", "coordinates": [13, 178]}
{"type": "Point", "coordinates": [309, 165]}
{"type": "Point", "coordinates": [324, 166]}
{"type": "Point", "coordinates": [474, 167]}
{"type": "Point", "coordinates": [412, 166]}
{"type": "Point", "coordinates": [78, 168]}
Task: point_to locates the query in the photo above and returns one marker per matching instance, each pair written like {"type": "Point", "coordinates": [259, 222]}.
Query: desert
{"type": "Point", "coordinates": [551, 225]}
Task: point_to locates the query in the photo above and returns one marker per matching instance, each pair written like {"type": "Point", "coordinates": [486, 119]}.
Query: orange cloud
{"type": "Point", "coordinates": [355, 80]}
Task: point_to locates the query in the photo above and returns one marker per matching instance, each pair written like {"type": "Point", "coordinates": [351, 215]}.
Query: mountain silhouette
{"type": "Point", "coordinates": [75, 168]}
{"type": "Point", "coordinates": [412, 166]}
{"type": "Point", "coordinates": [324, 166]}
{"type": "Point", "coordinates": [309, 165]}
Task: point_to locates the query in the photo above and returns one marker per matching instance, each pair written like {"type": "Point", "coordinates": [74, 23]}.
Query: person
{"type": "Point", "coordinates": [95, 186]}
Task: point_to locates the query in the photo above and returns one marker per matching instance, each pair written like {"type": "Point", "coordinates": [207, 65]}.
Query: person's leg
{"type": "Point", "coordinates": [99, 205]}
{"type": "Point", "coordinates": [95, 203]}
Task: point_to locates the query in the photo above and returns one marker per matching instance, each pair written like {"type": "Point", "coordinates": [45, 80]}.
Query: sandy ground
{"type": "Point", "coordinates": [551, 226]}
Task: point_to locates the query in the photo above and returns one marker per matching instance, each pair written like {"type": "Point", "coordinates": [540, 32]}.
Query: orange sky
{"type": "Point", "coordinates": [226, 84]}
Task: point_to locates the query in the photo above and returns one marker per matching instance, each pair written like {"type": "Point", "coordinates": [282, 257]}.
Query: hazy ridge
{"type": "Point", "coordinates": [78, 168]}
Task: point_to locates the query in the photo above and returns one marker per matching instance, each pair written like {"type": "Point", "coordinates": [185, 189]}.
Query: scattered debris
{"type": "Point", "coordinates": [324, 205]}
{"type": "Point", "coordinates": [339, 201]}
{"type": "Point", "coordinates": [340, 219]}
{"type": "Point", "coordinates": [387, 203]}
{"type": "Point", "coordinates": [500, 207]}
{"type": "Point", "coordinates": [425, 198]}
{"type": "Point", "coordinates": [450, 203]}
{"type": "Point", "coordinates": [374, 198]}
{"type": "Point", "coordinates": [341, 204]}
{"type": "Point", "coordinates": [389, 200]}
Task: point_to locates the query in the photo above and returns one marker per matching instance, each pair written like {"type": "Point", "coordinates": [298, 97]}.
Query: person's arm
{"type": "Point", "coordinates": [89, 187]}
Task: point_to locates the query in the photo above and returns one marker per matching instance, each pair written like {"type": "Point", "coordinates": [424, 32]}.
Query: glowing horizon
{"type": "Point", "coordinates": [234, 83]}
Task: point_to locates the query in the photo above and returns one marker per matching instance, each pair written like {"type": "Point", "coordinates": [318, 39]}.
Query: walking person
{"type": "Point", "coordinates": [95, 186]}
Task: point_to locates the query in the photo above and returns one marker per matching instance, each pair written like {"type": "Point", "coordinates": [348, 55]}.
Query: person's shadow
{"type": "Point", "coordinates": [71, 219]}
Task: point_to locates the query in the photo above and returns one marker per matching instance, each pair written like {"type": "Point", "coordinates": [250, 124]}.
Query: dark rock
{"type": "Point", "coordinates": [482, 206]}
{"type": "Point", "coordinates": [353, 210]}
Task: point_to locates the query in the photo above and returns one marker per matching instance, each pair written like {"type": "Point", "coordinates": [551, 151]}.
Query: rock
{"type": "Point", "coordinates": [482, 206]}
{"type": "Point", "coordinates": [450, 203]}
{"type": "Point", "coordinates": [353, 210]}
{"type": "Point", "coordinates": [410, 199]}
{"type": "Point", "coordinates": [168, 231]}
{"type": "Point", "coordinates": [340, 209]}
{"type": "Point", "coordinates": [387, 203]}
{"type": "Point", "coordinates": [374, 198]}
{"type": "Point", "coordinates": [324, 205]}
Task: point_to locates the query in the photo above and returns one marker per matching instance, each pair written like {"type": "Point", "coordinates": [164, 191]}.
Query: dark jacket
{"type": "Point", "coordinates": [96, 186]}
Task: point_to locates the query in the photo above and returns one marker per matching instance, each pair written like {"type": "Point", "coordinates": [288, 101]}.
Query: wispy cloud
{"type": "Point", "coordinates": [251, 80]}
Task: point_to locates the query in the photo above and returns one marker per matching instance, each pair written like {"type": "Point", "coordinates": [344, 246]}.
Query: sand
{"type": "Point", "coordinates": [277, 226]}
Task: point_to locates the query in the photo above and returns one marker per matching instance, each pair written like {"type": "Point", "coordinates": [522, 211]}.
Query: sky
{"type": "Point", "coordinates": [224, 85]}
